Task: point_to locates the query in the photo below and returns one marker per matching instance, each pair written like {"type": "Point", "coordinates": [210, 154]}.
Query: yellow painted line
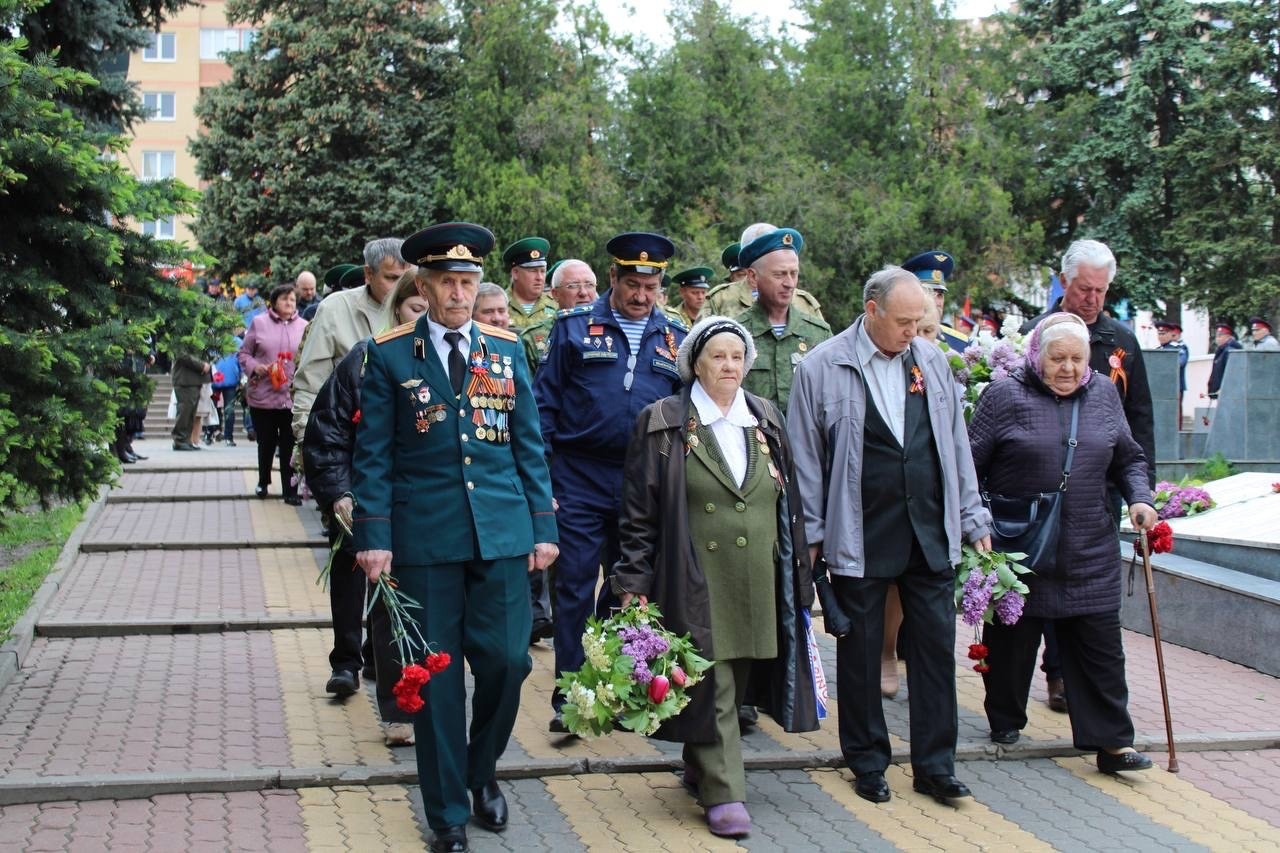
{"type": "Point", "coordinates": [321, 730]}
{"type": "Point", "coordinates": [289, 582]}
{"type": "Point", "coordinates": [914, 821]}
{"type": "Point", "coordinates": [1042, 724]}
{"type": "Point", "coordinates": [1180, 806]}
{"type": "Point", "coordinates": [535, 712]}
{"type": "Point", "coordinates": [276, 521]}
{"type": "Point", "coordinates": [634, 811]}
{"type": "Point", "coordinates": [358, 818]}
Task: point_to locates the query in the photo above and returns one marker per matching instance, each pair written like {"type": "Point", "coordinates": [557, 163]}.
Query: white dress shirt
{"type": "Point", "coordinates": [727, 428]}
{"type": "Point", "coordinates": [441, 346]}
{"type": "Point", "coordinates": [886, 380]}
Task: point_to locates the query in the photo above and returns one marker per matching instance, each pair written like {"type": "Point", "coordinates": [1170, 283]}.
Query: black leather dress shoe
{"type": "Point", "coordinates": [1005, 736]}
{"type": "Point", "coordinates": [873, 787]}
{"type": "Point", "coordinates": [489, 806]}
{"type": "Point", "coordinates": [557, 725]}
{"type": "Point", "coordinates": [1115, 762]}
{"type": "Point", "coordinates": [941, 787]}
{"type": "Point", "coordinates": [342, 683]}
{"type": "Point", "coordinates": [748, 717]}
{"type": "Point", "coordinates": [542, 629]}
{"type": "Point", "coordinates": [451, 840]}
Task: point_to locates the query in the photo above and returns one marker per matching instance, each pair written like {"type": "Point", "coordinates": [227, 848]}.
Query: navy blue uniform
{"type": "Point", "coordinates": [590, 389]}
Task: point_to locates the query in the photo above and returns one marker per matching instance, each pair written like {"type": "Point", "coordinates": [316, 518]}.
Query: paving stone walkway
{"type": "Point", "coordinates": [174, 700]}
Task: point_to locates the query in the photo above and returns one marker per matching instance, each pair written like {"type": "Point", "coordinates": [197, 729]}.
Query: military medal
{"type": "Point", "coordinates": [802, 346]}
{"type": "Point", "coordinates": [423, 422]}
{"type": "Point", "coordinates": [693, 441]}
{"type": "Point", "coordinates": [424, 394]}
{"type": "Point", "coordinates": [595, 330]}
{"type": "Point", "coordinates": [411, 383]}
{"type": "Point", "coordinates": [608, 342]}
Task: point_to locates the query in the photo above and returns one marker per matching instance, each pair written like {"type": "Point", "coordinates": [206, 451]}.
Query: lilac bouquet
{"type": "Point", "coordinates": [1176, 501]}
{"type": "Point", "coordinates": [636, 674]}
{"type": "Point", "coordinates": [988, 587]}
{"type": "Point", "coordinates": [987, 359]}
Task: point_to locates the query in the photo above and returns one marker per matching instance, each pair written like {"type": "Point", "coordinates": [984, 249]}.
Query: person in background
{"type": "Point", "coordinates": [226, 385]}
{"type": "Point", "coordinates": [304, 286]}
{"type": "Point", "coordinates": [736, 576]}
{"type": "Point", "coordinates": [573, 283]}
{"type": "Point", "coordinates": [738, 293]}
{"type": "Point", "coordinates": [1224, 338]}
{"type": "Point", "coordinates": [491, 306]}
{"type": "Point", "coordinates": [933, 268]}
{"type": "Point", "coordinates": [1019, 437]}
{"type": "Point", "coordinates": [529, 303]}
{"type": "Point", "coordinates": [326, 452]}
{"type": "Point", "coordinates": [694, 284]}
{"type": "Point", "coordinates": [1260, 332]}
{"type": "Point", "coordinates": [1170, 335]}
{"type": "Point", "coordinates": [268, 356]}
{"type": "Point", "coordinates": [189, 374]}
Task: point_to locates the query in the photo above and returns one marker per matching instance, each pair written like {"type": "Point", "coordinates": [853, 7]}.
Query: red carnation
{"type": "Point", "coordinates": [414, 675]}
{"type": "Point", "coordinates": [981, 667]}
{"type": "Point", "coordinates": [1275, 487]}
{"type": "Point", "coordinates": [437, 662]}
{"type": "Point", "coordinates": [977, 651]}
{"type": "Point", "coordinates": [410, 703]}
{"type": "Point", "coordinates": [355, 419]}
{"type": "Point", "coordinates": [1159, 538]}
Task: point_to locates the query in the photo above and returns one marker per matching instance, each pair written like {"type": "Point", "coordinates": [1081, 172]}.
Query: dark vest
{"type": "Point", "coordinates": [902, 499]}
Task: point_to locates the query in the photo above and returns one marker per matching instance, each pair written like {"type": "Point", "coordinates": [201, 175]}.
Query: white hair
{"type": "Point", "coordinates": [751, 232]}
{"type": "Point", "coordinates": [1090, 253]}
{"type": "Point", "coordinates": [684, 358]}
{"type": "Point", "coordinates": [1060, 326]}
{"type": "Point", "coordinates": [558, 275]}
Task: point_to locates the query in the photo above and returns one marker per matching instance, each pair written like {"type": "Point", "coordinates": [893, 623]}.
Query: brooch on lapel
{"type": "Point", "coordinates": [917, 380]}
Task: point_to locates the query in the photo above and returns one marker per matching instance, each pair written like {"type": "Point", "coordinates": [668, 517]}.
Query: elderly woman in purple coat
{"type": "Point", "coordinates": [1019, 438]}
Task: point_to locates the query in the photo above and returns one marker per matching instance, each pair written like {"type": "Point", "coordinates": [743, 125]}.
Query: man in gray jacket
{"type": "Point", "coordinates": [883, 465]}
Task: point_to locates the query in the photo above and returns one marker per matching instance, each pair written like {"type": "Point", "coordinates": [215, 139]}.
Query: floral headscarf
{"type": "Point", "coordinates": [1071, 326]}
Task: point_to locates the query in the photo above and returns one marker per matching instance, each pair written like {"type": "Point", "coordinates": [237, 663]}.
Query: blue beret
{"type": "Point", "coordinates": [932, 268]}
{"type": "Point", "coordinates": [458, 246]}
{"type": "Point", "coordinates": [772, 241]}
{"type": "Point", "coordinates": [644, 252]}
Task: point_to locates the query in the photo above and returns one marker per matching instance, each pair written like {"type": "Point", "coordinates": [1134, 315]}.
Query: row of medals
{"type": "Point", "coordinates": [492, 395]}
{"type": "Point", "coordinates": [694, 441]}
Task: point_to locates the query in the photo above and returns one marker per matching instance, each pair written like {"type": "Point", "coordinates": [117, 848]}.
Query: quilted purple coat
{"type": "Point", "coordinates": [1018, 436]}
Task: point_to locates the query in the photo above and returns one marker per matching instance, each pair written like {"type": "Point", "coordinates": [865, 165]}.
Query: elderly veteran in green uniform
{"type": "Point", "coordinates": [783, 335]}
{"type": "Point", "coordinates": [694, 284]}
{"type": "Point", "coordinates": [739, 294]}
{"type": "Point", "coordinates": [528, 302]}
{"type": "Point", "coordinates": [933, 268]}
{"type": "Point", "coordinates": [453, 497]}
{"type": "Point", "coordinates": [712, 532]}
{"type": "Point", "coordinates": [573, 283]}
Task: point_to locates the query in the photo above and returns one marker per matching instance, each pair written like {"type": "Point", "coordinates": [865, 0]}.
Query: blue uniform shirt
{"type": "Point", "coordinates": [590, 387]}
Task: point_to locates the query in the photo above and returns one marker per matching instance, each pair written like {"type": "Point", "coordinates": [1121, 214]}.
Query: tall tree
{"type": "Point", "coordinates": [333, 130]}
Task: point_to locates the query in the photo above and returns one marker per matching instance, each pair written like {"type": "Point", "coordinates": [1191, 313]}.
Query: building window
{"type": "Point", "coordinates": [161, 229]}
{"type": "Point", "coordinates": [163, 48]}
{"type": "Point", "coordinates": [160, 106]}
{"type": "Point", "coordinates": [158, 165]}
{"type": "Point", "coordinates": [215, 44]}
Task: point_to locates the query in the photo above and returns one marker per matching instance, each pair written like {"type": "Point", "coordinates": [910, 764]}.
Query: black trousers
{"type": "Point", "coordinates": [929, 613]}
{"type": "Point", "coordinates": [346, 605]}
{"type": "Point", "coordinates": [1092, 654]}
{"type": "Point", "coordinates": [274, 433]}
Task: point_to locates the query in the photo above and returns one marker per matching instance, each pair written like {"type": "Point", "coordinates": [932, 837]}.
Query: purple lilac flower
{"type": "Point", "coordinates": [1166, 486]}
{"type": "Point", "coordinates": [641, 672]}
{"type": "Point", "coordinates": [642, 645]}
{"type": "Point", "coordinates": [1009, 607]}
{"type": "Point", "coordinates": [977, 596]}
{"type": "Point", "coordinates": [1004, 355]}
{"type": "Point", "coordinates": [1195, 500]}
{"type": "Point", "coordinates": [972, 354]}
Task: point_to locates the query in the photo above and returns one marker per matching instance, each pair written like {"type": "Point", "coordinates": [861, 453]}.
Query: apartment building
{"type": "Point", "coordinates": [187, 55]}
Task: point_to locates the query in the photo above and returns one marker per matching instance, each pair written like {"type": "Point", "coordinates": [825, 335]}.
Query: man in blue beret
{"type": "Point", "coordinates": [738, 293]}
{"type": "Point", "coordinates": [527, 300]}
{"type": "Point", "coordinates": [933, 268]}
{"type": "Point", "coordinates": [604, 363]}
{"type": "Point", "coordinates": [452, 496]}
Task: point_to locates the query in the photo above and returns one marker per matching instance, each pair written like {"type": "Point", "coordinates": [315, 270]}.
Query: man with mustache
{"type": "Point", "coordinates": [604, 363]}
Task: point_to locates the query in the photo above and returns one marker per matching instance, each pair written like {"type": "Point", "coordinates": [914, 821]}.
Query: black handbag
{"type": "Point", "coordinates": [1030, 525]}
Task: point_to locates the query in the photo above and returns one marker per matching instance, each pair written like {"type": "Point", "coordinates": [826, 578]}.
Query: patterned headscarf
{"type": "Point", "coordinates": [1056, 327]}
{"type": "Point", "coordinates": [703, 331]}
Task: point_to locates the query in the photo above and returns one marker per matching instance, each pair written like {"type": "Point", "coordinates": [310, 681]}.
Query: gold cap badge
{"type": "Point", "coordinates": [535, 254]}
{"type": "Point", "coordinates": [786, 239]}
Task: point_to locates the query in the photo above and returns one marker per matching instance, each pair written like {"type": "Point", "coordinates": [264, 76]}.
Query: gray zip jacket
{"type": "Point", "coordinates": [825, 421]}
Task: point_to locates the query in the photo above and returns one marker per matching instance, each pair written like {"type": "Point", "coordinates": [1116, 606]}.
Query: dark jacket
{"type": "Point", "coordinates": [1220, 365]}
{"type": "Point", "coordinates": [1018, 436]}
{"type": "Point", "coordinates": [331, 429]}
{"type": "Point", "coordinates": [658, 560]}
{"type": "Point", "coordinates": [188, 370]}
{"type": "Point", "coordinates": [1107, 338]}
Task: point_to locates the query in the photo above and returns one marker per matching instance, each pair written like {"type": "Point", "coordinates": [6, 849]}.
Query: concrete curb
{"type": "Point", "coordinates": [177, 499]}
{"type": "Point", "coordinates": [144, 468]}
{"type": "Point", "coordinates": [15, 650]}
{"type": "Point", "coordinates": [212, 545]}
{"type": "Point", "coordinates": [47, 789]}
{"type": "Point", "coordinates": [168, 626]}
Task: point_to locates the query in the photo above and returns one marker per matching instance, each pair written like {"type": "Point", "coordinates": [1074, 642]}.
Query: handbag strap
{"type": "Point", "coordinates": [1071, 445]}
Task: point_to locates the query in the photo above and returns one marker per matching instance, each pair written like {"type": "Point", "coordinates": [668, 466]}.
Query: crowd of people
{"type": "Point", "coordinates": [520, 459]}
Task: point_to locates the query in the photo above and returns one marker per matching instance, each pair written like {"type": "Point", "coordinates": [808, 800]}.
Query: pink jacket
{"type": "Point", "coordinates": [271, 340]}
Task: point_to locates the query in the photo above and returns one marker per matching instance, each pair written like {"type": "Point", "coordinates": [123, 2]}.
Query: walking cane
{"type": "Point", "coordinates": [1155, 633]}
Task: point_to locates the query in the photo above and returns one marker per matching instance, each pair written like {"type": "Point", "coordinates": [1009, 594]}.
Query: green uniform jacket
{"type": "Point", "coordinates": [733, 297]}
{"type": "Point", "coordinates": [534, 340]}
{"type": "Point", "coordinates": [426, 487]}
{"type": "Point", "coordinates": [544, 309]}
{"type": "Point", "coordinates": [776, 358]}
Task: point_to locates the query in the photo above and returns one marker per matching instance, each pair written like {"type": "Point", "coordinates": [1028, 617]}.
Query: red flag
{"type": "Point", "coordinates": [965, 311]}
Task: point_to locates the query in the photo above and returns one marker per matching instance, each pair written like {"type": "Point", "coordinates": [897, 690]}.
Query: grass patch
{"type": "Point", "coordinates": [29, 545]}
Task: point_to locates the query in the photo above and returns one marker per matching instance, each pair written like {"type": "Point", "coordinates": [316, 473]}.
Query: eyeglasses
{"type": "Point", "coordinates": [631, 373]}
{"type": "Point", "coordinates": [575, 285]}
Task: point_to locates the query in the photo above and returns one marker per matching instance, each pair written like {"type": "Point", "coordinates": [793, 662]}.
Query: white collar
{"type": "Point", "coordinates": [708, 412]}
{"type": "Point", "coordinates": [438, 331]}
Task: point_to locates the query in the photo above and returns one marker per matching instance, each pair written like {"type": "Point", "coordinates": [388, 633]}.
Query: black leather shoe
{"type": "Point", "coordinates": [1005, 736]}
{"type": "Point", "coordinates": [557, 725]}
{"type": "Point", "coordinates": [293, 500]}
{"type": "Point", "coordinates": [260, 491]}
{"type": "Point", "coordinates": [872, 786]}
{"type": "Point", "coordinates": [451, 840]}
{"type": "Point", "coordinates": [941, 787]}
{"type": "Point", "coordinates": [747, 716]}
{"type": "Point", "coordinates": [342, 683]}
{"type": "Point", "coordinates": [138, 457]}
{"type": "Point", "coordinates": [489, 806]}
{"type": "Point", "coordinates": [542, 630]}
{"type": "Point", "coordinates": [1115, 762]}
{"type": "Point", "coordinates": [184, 445]}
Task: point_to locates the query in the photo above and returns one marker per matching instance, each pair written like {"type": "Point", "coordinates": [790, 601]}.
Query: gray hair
{"type": "Point", "coordinates": [377, 251]}
{"type": "Point", "coordinates": [1090, 253]}
{"type": "Point", "coordinates": [882, 283]}
{"type": "Point", "coordinates": [753, 231]}
{"type": "Point", "coordinates": [685, 359]}
{"type": "Point", "coordinates": [488, 288]}
{"type": "Point", "coordinates": [565, 264]}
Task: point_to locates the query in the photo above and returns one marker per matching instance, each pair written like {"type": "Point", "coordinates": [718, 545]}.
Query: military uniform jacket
{"type": "Point", "coordinates": [776, 358]}
{"type": "Point", "coordinates": [534, 340]}
{"type": "Point", "coordinates": [733, 297]}
{"type": "Point", "coordinates": [437, 476]}
{"type": "Point", "coordinates": [544, 309]}
{"type": "Point", "coordinates": [588, 389]}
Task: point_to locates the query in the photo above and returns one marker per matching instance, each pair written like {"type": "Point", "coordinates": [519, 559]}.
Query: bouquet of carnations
{"type": "Point", "coordinates": [409, 641]}
{"type": "Point", "coordinates": [636, 674]}
{"type": "Point", "coordinates": [987, 359]}
{"type": "Point", "coordinates": [278, 371]}
{"type": "Point", "coordinates": [988, 587]}
{"type": "Point", "coordinates": [1176, 501]}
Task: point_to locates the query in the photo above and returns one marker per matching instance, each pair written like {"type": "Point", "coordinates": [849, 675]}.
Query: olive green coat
{"type": "Point", "coordinates": [777, 357]}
